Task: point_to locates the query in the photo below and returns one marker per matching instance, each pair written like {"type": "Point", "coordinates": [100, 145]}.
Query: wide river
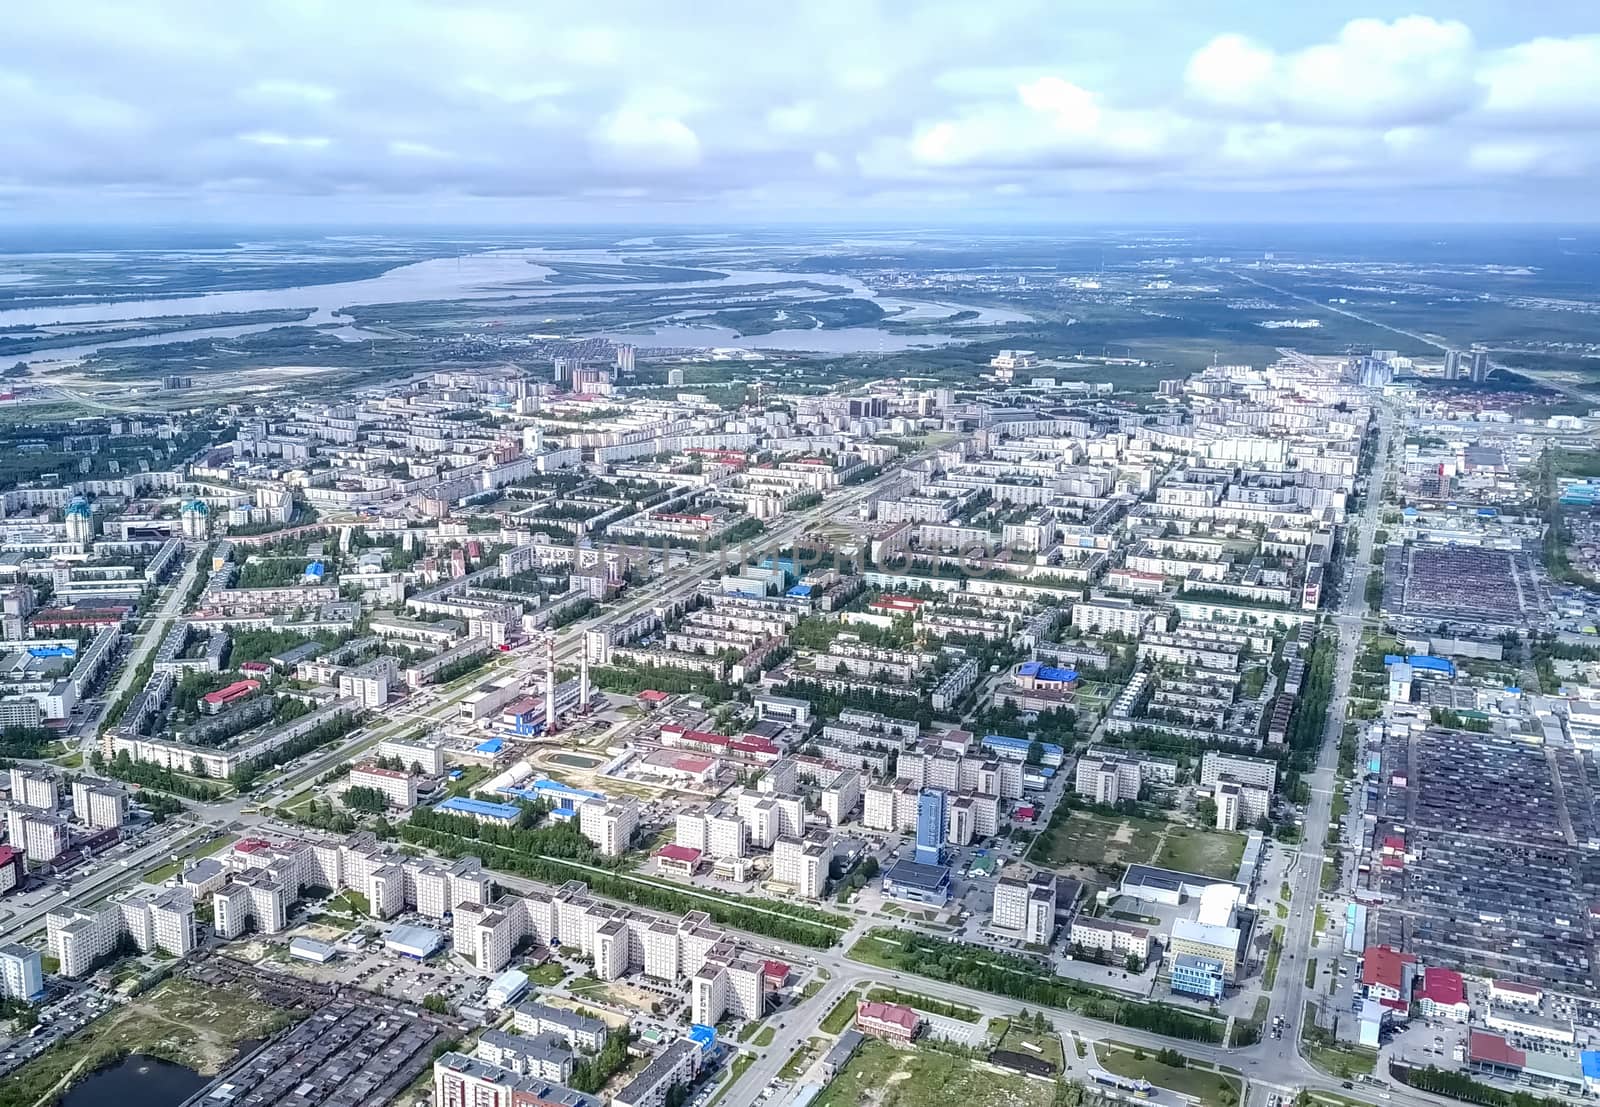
{"type": "Point", "coordinates": [500, 273]}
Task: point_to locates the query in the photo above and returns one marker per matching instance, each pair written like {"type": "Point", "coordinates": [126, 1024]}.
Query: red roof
{"type": "Point", "coordinates": [775, 970]}
{"type": "Point", "coordinates": [693, 763]}
{"type": "Point", "coordinates": [686, 854]}
{"type": "Point", "coordinates": [1394, 841]}
{"type": "Point", "coordinates": [1444, 987]}
{"type": "Point", "coordinates": [650, 695]}
{"type": "Point", "coordinates": [1025, 812]}
{"type": "Point", "coordinates": [1386, 967]}
{"type": "Point", "coordinates": [700, 737]}
{"type": "Point", "coordinates": [1513, 986]}
{"type": "Point", "coordinates": [232, 692]}
{"type": "Point", "coordinates": [754, 743]}
{"type": "Point", "coordinates": [255, 667]}
{"type": "Point", "coordinates": [1492, 1049]}
{"type": "Point", "coordinates": [9, 854]}
{"type": "Point", "coordinates": [887, 1012]}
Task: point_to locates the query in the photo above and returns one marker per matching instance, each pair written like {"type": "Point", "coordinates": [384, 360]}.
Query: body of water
{"type": "Point", "coordinates": [518, 273]}
{"type": "Point", "coordinates": [137, 1081]}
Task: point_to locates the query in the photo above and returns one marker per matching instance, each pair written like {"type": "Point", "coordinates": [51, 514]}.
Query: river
{"type": "Point", "coordinates": [516, 273]}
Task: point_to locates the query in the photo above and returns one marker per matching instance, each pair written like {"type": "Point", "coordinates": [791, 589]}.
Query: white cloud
{"type": "Point", "coordinates": [824, 162]}
{"type": "Point", "coordinates": [275, 138]}
{"type": "Point", "coordinates": [1412, 70]}
{"type": "Point", "coordinates": [404, 148]}
{"type": "Point", "coordinates": [1548, 81]}
{"type": "Point", "coordinates": [290, 91]}
{"type": "Point", "coordinates": [640, 139]}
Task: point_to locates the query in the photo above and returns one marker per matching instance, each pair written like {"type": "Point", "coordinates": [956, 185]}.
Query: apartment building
{"type": "Point", "coordinates": [676, 1066]}
{"type": "Point", "coordinates": [802, 864]}
{"type": "Point", "coordinates": [610, 824]}
{"type": "Point", "coordinates": [161, 919]}
{"type": "Point", "coordinates": [1026, 908]}
{"type": "Point", "coordinates": [99, 806]}
{"type": "Point", "coordinates": [840, 798]}
{"type": "Point", "coordinates": [399, 788]}
{"type": "Point", "coordinates": [1112, 936]}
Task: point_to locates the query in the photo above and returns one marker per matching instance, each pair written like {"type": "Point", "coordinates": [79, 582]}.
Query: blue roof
{"type": "Point", "coordinates": [544, 788]}
{"type": "Point", "coordinates": [1422, 661]}
{"type": "Point", "coordinates": [800, 590]}
{"type": "Point", "coordinates": [705, 1036]}
{"type": "Point", "coordinates": [314, 569]}
{"type": "Point", "coordinates": [493, 745]}
{"type": "Point", "coordinates": [1051, 672]}
{"type": "Point", "coordinates": [1004, 742]}
{"type": "Point", "coordinates": [463, 805]}
{"type": "Point", "coordinates": [1590, 1058]}
{"type": "Point", "coordinates": [51, 651]}
{"type": "Point", "coordinates": [1030, 668]}
{"type": "Point", "coordinates": [1410, 511]}
{"type": "Point", "coordinates": [1487, 512]}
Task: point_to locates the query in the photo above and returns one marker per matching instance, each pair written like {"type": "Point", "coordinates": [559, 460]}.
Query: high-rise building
{"type": "Point", "coordinates": [21, 973]}
{"type": "Point", "coordinates": [930, 825]}
{"type": "Point", "coordinates": [1480, 367]}
{"type": "Point", "coordinates": [1452, 365]}
{"type": "Point", "coordinates": [625, 356]}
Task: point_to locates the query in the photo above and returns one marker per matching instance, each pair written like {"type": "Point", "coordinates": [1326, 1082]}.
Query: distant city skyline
{"type": "Point", "coordinates": [1021, 111]}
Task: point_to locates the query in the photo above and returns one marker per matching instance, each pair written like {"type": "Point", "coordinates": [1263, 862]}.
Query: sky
{"type": "Point", "coordinates": [523, 111]}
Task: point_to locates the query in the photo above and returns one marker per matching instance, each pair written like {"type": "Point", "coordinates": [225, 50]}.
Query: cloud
{"type": "Point", "coordinates": [1411, 70]}
{"type": "Point", "coordinates": [638, 138]}
{"type": "Point", "coordinates": [299, 142]}
{"type": "Point", "coordinates": [835, 106]}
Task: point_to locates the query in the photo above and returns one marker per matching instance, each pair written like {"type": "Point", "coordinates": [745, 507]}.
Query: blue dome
{"type": "Point", "coordinates": [80, 506]}
{"type": "Point", "coordinates": [198, 507]}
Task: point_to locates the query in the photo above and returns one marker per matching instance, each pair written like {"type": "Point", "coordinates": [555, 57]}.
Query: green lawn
{"type": "Point", "coordinates": [350, 902]}
{"type": "Point", "coordinates": [1274, 952]}
{"type": "Point", "coordinates": [1089, 839]}
{"type": "Point", "coordinates": [767, 1034]}
{"type": "Point", "coordinates": [1311, 972]}
{"type": "Point", "coordinates": [841, 1015]}
{"type": "Point", "coordinates": [1207, 852]}
{"type": "Point", "coordinates": [547, 975]}
{"type": "Point", "coordinates": [889, 1077]}
{"type": "Point", "coordinates": [1205, 1085]}
{"type": "Point", "coordinates": [173, 868]}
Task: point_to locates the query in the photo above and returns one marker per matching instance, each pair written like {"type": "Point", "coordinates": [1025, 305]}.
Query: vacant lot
{"type": "Point", "coordinates": [881, 1075]}
{"type": "Point", "coordinates": [1088, 839]}
{"type": "Point", "coordinates": [1207, 852]}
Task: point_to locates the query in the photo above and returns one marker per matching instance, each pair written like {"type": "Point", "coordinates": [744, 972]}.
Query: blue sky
{"type": "Point", "coordinates": [519, 111]}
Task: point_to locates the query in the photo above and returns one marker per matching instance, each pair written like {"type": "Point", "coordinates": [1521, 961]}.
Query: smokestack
{"type": "Point", "coordinates": [550, 686]}
{"type": "Point", "coordinates": [583, 684]}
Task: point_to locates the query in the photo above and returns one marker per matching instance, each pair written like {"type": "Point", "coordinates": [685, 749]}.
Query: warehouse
{"type": "Point", "coordinates": [420, 942]}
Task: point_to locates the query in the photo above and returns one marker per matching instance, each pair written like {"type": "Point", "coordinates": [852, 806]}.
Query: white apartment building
{"type": "Point", "coordinates": [1262, 772]}
{"type": "Point", "coordinates": [1112, 936]}
{"type": "Point", "coordinates": [99, 806]}
{"type": "Point", "coordinates": [398, 787]}
{"type": "Point", "coordinates": [31, 788]}
{"type": "Point", "coordinates": [423, 756]}
{"type": "Point", "coordinates": [161, 919]}
{"type": "Point", "coordinates": [1026, 908]}
{"type": "Point", "coordinates": [42, 836]}
{"type": "Point", "coordinates": [21, 973]}
{"type": "Point", "coordinates": [610, 824]}
{"type": "Point", "coordinates": [1109, 613]}
{"type": "Point", "coordinates": [802, 864]}
{"type": "Point", "coordinates": [1107, 782]}
{"type": "Point", "coordinates": [253, 899]}
{"type": "Point", "coordinates": [840, 798]}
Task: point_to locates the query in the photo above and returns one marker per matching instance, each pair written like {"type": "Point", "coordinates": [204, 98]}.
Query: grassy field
{"type": "Point", "coordinates": [839, 1018]}
{"type": "Point", "coordinates": [173, 868]}
{"type": "Point", "coordinates": [767, 1034]}
{"type": "Point", "coordinates": [882, 1076]}
{"type": "Point", "coordinates": [923, 1003]}
{"type": "Point", "coordinates": [1207, 852]}
{"type": "Point", "coordinates": [1089, 839]}
{"type": "Point", "coordinates": [179, 1021]}
{"type": "Point", "coordinates": [547, 975]}
{"type": "Point", "coordinates": [1207, 1086]}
